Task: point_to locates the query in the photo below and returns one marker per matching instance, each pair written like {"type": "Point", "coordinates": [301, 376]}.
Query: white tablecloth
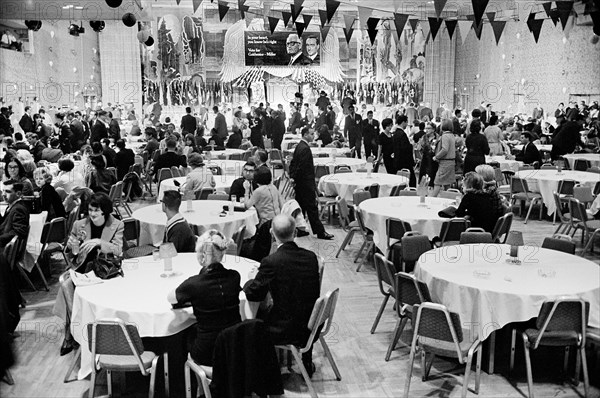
{"type": "Point", "coordinates": [141, 298]}
{"type": "Point", "coordinates": [340, 152]}
{"type": "Point", "coordinates": [544, 148]}
{"type": "Point", "coordinates": [353, 163]}
{"type": "Point", "coordinates": [229, 167]}
{"type": "Point", "coordinates": [476, 282]}
{"type": "Point", "coordinates": [422, 218]}
{"type": "Point", "coordinates": [546, 182]}
{"type": "Point", "coordinates": [227, 152]}
{"type": "Point", "coordinates": [344, 184]}
{"type": "Point", "coordinates": [593, 158]}
{"type": "Point", "coordinates": [511, 165]}
{"type": "Point", "coordinates": [223, 183]}
{"type": "Point", "coordinates": [135, 146]}
{"type": "Point", "coordinates": [34, 246]}
{"type": "Point", "coordinates": [205, 215]}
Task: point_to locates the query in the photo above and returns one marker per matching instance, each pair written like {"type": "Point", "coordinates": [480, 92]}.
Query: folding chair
{"type": "Point", "coordinates": [54, 239]}
{"type": "Point", "coordinates": [163, 174]}
{"type": "Point", "coordinates": [560, 323]}
{"type": "Point", "coordinates": [439, 332]}
{"type": "Point", "coordinates": [407, 192]}
{"type": "Point", "coordinates": [175, 171]}
{"type": "Point", "coordinates": [238, 238]}
{"type": "Point", "coordinates": [395, 190]}
{"type": "Point", "coordinates": [520, 191]}
{"type": "Point", "coordinates": [413, 245]}
{"type": "Point", "coordinates": [275, 159]}
{"type": "Point", "coordinates": [116, 196]}
{"type": "Point", "coordinates": [583, 194]}
{"type": "Point", "coordinates": [373, 189]}
{"type": "Point", "coordinates": [113, 170]}
{"type": "Point", "coordinates": [564, 218]}
{"type": "Point", "coordinates": [579, 221]}
{"type": "Point", "coordinates": [217, 196]}
{"type": "Point", "coordinates": [359, 196]}
{"type": "Point", "coordinates": [559, 242]}
{"type": "Point", "coordinates": [385, 276]}
{"type": "Point", "coordinates": [320, 171]}
{"type": "Point", "coordinates": [452, 228]}
{"type": "Point", "coordinates": [203, 193]}
{"type": "Point", "coordinates": [582, 165]}
{"type": "Point", "coordinates": [321, 316]}
{"type": "Point", "coordinates": [350, 227]}
{"type": "Point", "coordinates": [116, 346]}
{"type": "Point", "coordinates": [395, 229]}
{"type": "Point", "coordinates": [367, 235]}
{"type": "Point", "coordinates": [502, 228]}
{"type": "Point", "coordinates": [131, 232]}
{"type": "Point", "coordinates": [475, 235]}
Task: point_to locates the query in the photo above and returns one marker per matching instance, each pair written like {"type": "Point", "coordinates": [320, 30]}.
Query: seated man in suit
{"type": "Point", "coordinates": [169, 158]}
{"type": "Point", "coordinates": [178, 230]}
{"type": "Point", "coordinates": [529, 153]}
{"type": "Point", "coordinates": [237, 187]}
{"type": "Point", "coordinates": [15, 221]}
{"type": "Point", "coordinates": [291, 275]}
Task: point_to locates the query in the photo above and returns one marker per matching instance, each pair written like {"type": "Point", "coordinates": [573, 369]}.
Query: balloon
{"type": "Point", "coordinates": [74, 70]}
{"type": "Point", "coordinates": [129, 19]}
{"type": "Point", "coordinates": [149, 42]}
{"type": "Point", "coordinates": [52, 34]}
{"type": "Point", "coordinates": [143, 35]}
{"type": "Point", "coordinates": [114, 3]}
{"type": "Point", "coordinates": [51, 64]}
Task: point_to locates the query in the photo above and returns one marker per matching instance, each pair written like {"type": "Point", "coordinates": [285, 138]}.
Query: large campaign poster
{"type": "Point", "coordinates": [282, 49]}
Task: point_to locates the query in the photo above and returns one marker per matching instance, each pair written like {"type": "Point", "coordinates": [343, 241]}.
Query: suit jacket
{"type": "Point", "coordinates": [26, 123]}
{"type": "Point", "coordinates": [78, 138]}
{"type": "Point", "coordinates": [295, 122]}
{"type": "Point", "coordinates": [14, 223]}
{"type": "Point", "coordinates": [301, 60]}
{"type": "Point", "coordinates": [371, 131]}
{"type": "Point", "coordinates": [291, 275]}
{"type": "Point", "coordinates": [98, 132]}
{"type": "Point", "coordinates": [456, 128]}
{"type": "Point", "coordinates": [168, 160]}
{"type": "Point", "coordinates": [302, 168]}
{"type": "Point", "coordinates": [403, 150]}
{"type": "Point", "coordinates": [353, 126]}
{"type": "Point", "coordinates": [114, 129]}
{"type": "Point", "coordinates": [188, 124]}
{"type": "Point", "coordinates": [235, 140]}
{"type": "Point", "coordinates": [529, 154]}
{"type": "Point", "coordinates": [37, 151]}
{"type": "Point", "coordinates": [51, 202]}
{"type": "Point", "coordinates": [221, 125]}
{"type": "Point", "coordinates": [124, 159]}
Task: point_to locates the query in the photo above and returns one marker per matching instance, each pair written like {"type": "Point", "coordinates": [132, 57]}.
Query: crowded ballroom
{"type": "Point", "coordinates": [299, 198]}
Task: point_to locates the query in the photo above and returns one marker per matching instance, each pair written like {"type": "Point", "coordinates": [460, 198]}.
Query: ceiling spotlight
{"type": "Point", "coordinates": [97, 26]}
{"type": "Point", "coordinates": [33, 25]}
{"type": "Point", "coordinates": [74, 30]}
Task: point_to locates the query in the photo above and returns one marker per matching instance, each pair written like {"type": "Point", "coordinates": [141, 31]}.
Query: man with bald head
{"type": "Point", "coordinates": [291, 275]}
{"type": "Point", "coordinates": [293, 46]}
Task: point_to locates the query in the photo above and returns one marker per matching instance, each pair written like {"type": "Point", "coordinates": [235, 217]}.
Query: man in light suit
{"type": "Point", "coordinates": [291, 275]}
{"type": "Point", "coordinates": [220, 123]}
{"type": "Point", "coordinates": [302, 172]}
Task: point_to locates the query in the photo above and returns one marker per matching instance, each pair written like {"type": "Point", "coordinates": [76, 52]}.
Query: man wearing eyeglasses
{"type": "Point", "coordinates": [246, 181]}
{"type": "Point", "coordinates": [15, 222]}
{"type": "Point", "coordinates": [294, 49]}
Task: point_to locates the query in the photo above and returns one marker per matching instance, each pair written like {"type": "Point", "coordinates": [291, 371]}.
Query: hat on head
{"type": "Point", "coordinates": [323, 92]}
{"type": "Point", "coordinates": [195, 160]}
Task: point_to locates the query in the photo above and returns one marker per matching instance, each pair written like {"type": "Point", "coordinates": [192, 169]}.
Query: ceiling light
{"type": "Point", "coordinates": [33, 25]}
{"type": "Point", "coordinates": [97, 26]}
{"type": "Point", "coordinates": [76, 30]}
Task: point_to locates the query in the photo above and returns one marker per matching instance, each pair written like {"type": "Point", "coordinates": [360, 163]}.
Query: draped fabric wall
{"type": "Point", "coordinates": [121, 65]}
{"type": "Point", "coordinates": [439, 73]}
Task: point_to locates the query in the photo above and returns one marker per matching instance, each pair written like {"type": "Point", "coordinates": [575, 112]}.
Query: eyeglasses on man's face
{"type": "Point", "coordinates": [292, 43]}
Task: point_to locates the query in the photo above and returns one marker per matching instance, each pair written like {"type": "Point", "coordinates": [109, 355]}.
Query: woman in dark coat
{"type": "Point", "coordinates": [477, 204]}
{"type": "Point", "coordinates": [256, 137]}
{"type": "Point", "coordinates": [386, 147]}
{"type": "Point", "coordinates": [477, 147]}
{"type": "Point", "coordinates": [100, 179]}
{"type": "Point", "coordinates": [213, 293]}
{"type": "Point", "coordinates": [426, 146]}
{"type": "Point", "coordinates": [49, 199]}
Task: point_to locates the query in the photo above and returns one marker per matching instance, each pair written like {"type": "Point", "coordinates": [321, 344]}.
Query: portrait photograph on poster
{"type": "Point", "coordinates": [282, 49]}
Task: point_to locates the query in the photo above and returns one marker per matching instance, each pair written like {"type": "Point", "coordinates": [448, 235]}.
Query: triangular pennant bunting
{"type": "Point", "coordinates": [273, 21]}
{"type": "Point", "coordinates": [223, 8]}
{"type": "Point", "coordinates": [372, 23]}
{"type": "Point", "coordinates": [348, 21]}
{"type": "Point", "coordinates": [300, 28]}
{"type": "Point", "coordinates": [196, 4]}
{"type": "Point", "coordinates": [295, 12]}
{"type": "Point", "coordinates": [324, 33]}
{"type": "Point", "coordinates": [179, 1]}
{"type": "Point", "coordinates": [439, 7]}
{"type": "Point", "coordinates": [498, 28]}
{"type": "Point", "coordinates": [463, 28]}
{"type": "Point", "coordinates": [535, 25]}
{"type": "Point", "coordinates": [478, 28]}
{"type": "Point", "coordinates": [286, 17]}
{"type": "Point", "coordinates": [298, 4]}
{"type": "Point", "coordinates": [434, 25]}
{"type": "Point", "coordinates": [547, 8]}
{"type": "Point", "coordinates": [363, 15]}
{"type": "Point", "coordinates": [372, 35]}
{"type": "Point", "coordinates": [564, 10]}
{"type": "Point", "coordinates": [478, 9]}
{"type": "Point", "coordinates": [413, 24]}
{"type": "Point", "coordinates": [425, 28]}
{"type": "Point", "coordinates": [530, 20]}
{"type": "Point", "coordinates": [243, 10]}
{"type": "Point", "coordinates": [451, 26]}
{"type": "Point", "coordinates": [331, 6]}
{"type": "Point", "coordinates": [307, 19]}
{"type": "Point", "coordinates": [569, 26]}
{"type": "Point", "coordinates": [348, 34]}
{"type": "Point", "coordinates": [554, 16]}
{"type": "Point", "coordinates": [249, 20]}
{"type": "Point", "coordinates": [491, 16]}
{"type": "Point", "coordinates": [323, 17]}
{"type": "Point", "coordinates": [400, 22]}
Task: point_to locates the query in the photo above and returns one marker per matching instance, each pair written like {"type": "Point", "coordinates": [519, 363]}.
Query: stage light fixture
{"type": "Point", "coordinates": [74, 29]}
{"type": "Point", "coordinates": [33, 25]}
{"type": "Point", "coordinates": [97, 26]}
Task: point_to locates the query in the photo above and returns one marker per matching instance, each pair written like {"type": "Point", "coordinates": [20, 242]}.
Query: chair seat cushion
{"type": "Point", "coordinates": [125, 362]}
{"type": "Point", "coordinates": [527, 196]}
{"type": "Point", "coordinates": [591, 224]}
{"type": "Point", "coordinates": [559, 338]}
{"type": "Point", "coordinates": [353, 225]}
{"type": "Point", "coordinates": [444, 348]}
{"type": "Point", "coordinates": [139, 251]}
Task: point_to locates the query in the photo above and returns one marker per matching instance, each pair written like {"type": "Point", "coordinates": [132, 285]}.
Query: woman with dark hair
{"type": "Point", "coordinates": [213, 293]}
{"type": "Point", "coordinates": [494, 137]}
{"type": "Point", "coordinates": [426, 145]}
{"type": "Point", "coordinates": [386, 147]}
{"type": "Point", "coordinates": [256, 137]}
{"type": "Point", "coordinates": [100, 179]}
{"type": "Point", "coordinates": [324, 135]}
{"type": "Point", "coordinates": [190, 145]}
{"type": "Point", "coordinates": [50, 201]}
{"type": "Point", "coordinates": [477, 147]}
{"type": "Point", "coordinates": [476, 204]}
{"type": "Point", "coordinates": [14, 170]}
{"type": "Point", "coordinates": [99, 232]}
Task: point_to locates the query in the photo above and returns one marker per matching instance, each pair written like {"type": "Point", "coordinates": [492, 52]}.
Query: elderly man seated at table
{"type": "Point", "coordinates": [98, 233]}
{"type": "Point", "coordinates": [291, 275]}
{"type": "Point", "coordinates": [214, 294]}
{"type": "Point", "coordinates": [53, 153]}
{"type": "Point", "coordinates": [15, 221]}
{"type": "Point", "coordinates": [529, 153]}
{"type": "Point", "coordinates": [178, 230]}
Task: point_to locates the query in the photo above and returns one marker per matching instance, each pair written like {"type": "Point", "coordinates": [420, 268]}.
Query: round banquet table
{"type": "Point", "coordinates": [140, 298]}
{"type": "Point", "coordinates": [353, 163]}
{"type": "Point", "coordinates": [422, 218]}
{"type": "Point", "coordinates": [476, 282]}
{"type": "Point", "coordinates": [340, 152]}
{"type": "Point", "coordinates": [543, 148]}
{"type": "Point", "coordinates": [593, 158]}
{"type": "Point", "coordinates": [546, 182]}
{"type": "Point", "coordinates": [505, 164]}
{"type": "Point", "coordinates": [229, 167]}
{"type": "Point", "coordinates": [222, 183]}
{"type": "Point", "coordinates": [227, 153]}
{"type": "Point", "coordinates": [205, 215]}
{"type": "Point", "coordinates": [344, 184]}
{"type": "Point", "coordinates": [53, 167]}
{"type": "Point", "coordinates": [135, 146]}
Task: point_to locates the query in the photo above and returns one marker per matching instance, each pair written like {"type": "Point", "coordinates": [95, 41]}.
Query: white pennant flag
{"type": "Point", "coordinates": [464, 27]}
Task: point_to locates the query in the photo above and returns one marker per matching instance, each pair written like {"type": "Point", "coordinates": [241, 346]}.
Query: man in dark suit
{"type": "Point", "coordinates": [114, 130]}
{"type": "Point", "coordinates": [302, 172]}
{"type": "Point", "coordinates": [456, 127]}
{"type": "Point", "coordinates": [294, 49]}
{"type": "Point", "coordinates": [567, 138]}
{"type": "Point", "coordinates": [403, 150]}
{"type": "Point", "coordinates": [15, 221]}
{"type": "Point", "coordinates": [220, 123]}
{"type": "Point", "coordinates": [291, 275]}
{"type": "Point", "coordinates": [124, 159]}
{"type": "Point", "coordinates": [312, 50]}
{"type": "Point", "coordinates": [371, 131]}
{"type": "Point", "coordinates": [5, 126]}
{"type": "Point", "coordinates": [188, 122]}
{"type": "Point", "coordinates": [65, 134]}
{"type": "Point", "coordinates": [37, 146]}
{"type": "Point", "coordinates": [295, 119]}
{"type": "Point", "coordinates": [98, 128]}
{"type": "Point", "coordinates": [26, 121]}
{"type": "Point", "coordinates": [78, 130]}
{"type": "Point", "coordinates": [169, 158]}
{"type": "Point", "coordinates": [529, 153]}
{"type": "Point", "coordinates": [237, 187]}
{"type": "Point", "coordinates": [353, 130]}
